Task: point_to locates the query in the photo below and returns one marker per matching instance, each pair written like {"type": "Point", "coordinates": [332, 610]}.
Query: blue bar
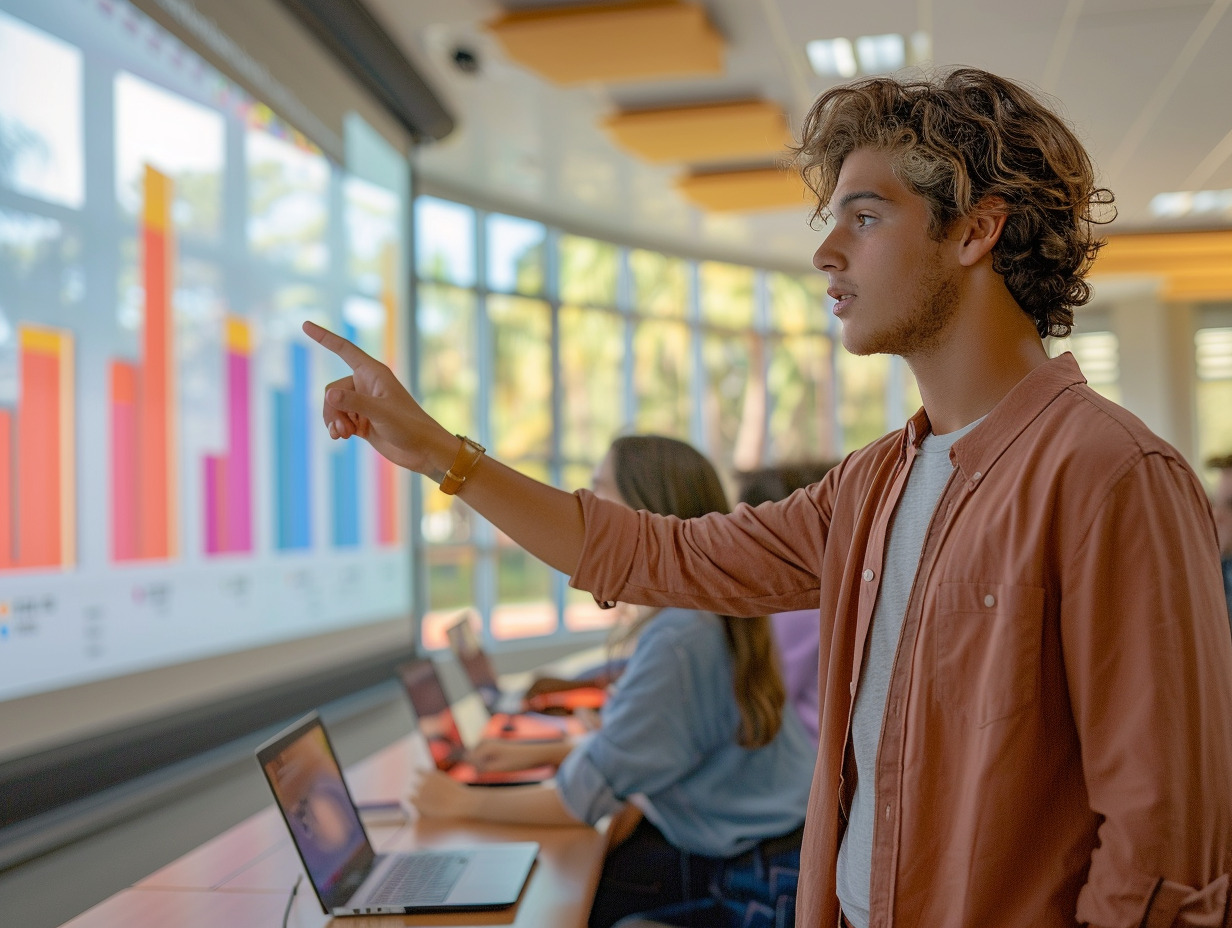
{"type": "Point", "coordinates": [345, 466]}
{"type": "Point", "coordinates": [292, 461]}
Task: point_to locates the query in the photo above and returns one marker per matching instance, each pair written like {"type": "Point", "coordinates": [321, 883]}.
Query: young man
{"type": "Point", "coordinates": [1026, 673]}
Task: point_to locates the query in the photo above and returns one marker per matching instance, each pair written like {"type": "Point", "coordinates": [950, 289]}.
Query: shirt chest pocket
{"type": "Point", "coordinates": [986, 649]}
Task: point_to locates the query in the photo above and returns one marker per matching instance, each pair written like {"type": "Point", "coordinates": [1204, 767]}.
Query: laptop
{"type": "Point", "coordinates": [466, 647]}
{"type": "Point", "coordinates": [450, 736]}
{"type": "Point", "coordinates": [348, 876]}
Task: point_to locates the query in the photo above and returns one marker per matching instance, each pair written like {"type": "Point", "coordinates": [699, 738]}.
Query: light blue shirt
{"type": "Point", "coordinates": [669, 734]}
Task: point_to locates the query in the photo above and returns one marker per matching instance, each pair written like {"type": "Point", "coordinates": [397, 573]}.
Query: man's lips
{"type": "Point", "coordinates": [842, 299]}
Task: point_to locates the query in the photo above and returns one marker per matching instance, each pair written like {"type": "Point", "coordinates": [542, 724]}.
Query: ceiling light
{"type": "Point", "coordinates": [832, 57]}
{"type": "Point", "coordinates": [1192, 203]}
{"type": "Point", "coordinates": [879, 54]}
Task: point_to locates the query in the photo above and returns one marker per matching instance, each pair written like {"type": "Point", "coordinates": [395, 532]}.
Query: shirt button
{"type": "Point", "coordinates": [990, 600]}
{"type": "Point", "coordinates": [887, 811]}
{"type": "Point", "coordinates": [868, 573]}
{"type": "Point", "coordinates": [975, 478]}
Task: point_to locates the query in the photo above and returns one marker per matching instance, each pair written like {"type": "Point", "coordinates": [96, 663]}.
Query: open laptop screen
{"type": "Point", "coordinates": [313, 797]}
{"type": "Point", "coordinates": [431, 705]}
{"type": "Point", "coordinates": [466, 647]}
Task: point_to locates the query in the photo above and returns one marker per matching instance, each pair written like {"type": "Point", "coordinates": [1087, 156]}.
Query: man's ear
{"type": "Point", "coordinates": [980, 231]}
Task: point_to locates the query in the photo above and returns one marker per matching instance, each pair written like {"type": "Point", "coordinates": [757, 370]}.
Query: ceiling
{"type": "Point", "coordinates": [1146, 83]}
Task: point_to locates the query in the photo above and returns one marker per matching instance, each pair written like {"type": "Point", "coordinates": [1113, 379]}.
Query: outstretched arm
{"type": "Point", "coordinates": [372, 404]}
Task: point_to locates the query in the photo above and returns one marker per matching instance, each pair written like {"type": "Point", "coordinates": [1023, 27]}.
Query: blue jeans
{"type": "Point", "coordinates": [648, 877]}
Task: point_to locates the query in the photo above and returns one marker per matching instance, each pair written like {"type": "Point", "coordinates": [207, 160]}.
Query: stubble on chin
{"type": "Point", "coordinates": [922, 329]}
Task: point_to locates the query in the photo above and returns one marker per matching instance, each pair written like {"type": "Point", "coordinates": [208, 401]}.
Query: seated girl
{"type": "Point", "coordinates": [696, 736]}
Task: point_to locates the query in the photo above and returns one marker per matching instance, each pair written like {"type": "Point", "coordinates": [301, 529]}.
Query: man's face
{"type": "Point", "coordinates": [896, 287]}
{"type": "Point", "coordinates": [1221, 502]}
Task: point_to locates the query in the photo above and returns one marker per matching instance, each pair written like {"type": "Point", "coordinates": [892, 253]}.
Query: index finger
{"type": "Point", "coordinates": [351, 353]}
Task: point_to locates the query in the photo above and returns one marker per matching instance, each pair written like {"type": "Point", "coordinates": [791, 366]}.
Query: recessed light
{"type": "Point", "coordinates": [1185, 203]}
{"type": "Point", "coordinates": [832, 57]}
{"type": "Point", "coordinates": [879, 54]}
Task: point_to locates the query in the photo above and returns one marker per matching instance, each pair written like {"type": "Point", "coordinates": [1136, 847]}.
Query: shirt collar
{"type": "Point", "coordinates": [976, 452]}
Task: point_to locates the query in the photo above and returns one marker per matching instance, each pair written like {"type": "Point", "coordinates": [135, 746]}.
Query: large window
{"type": "Point", "coordinates": [1213, 369]}
{"type": "Point", "coordinates": [544, 346]}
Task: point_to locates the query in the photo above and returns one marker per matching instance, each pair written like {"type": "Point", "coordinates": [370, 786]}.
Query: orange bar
{"type": "Point", "coordinates": [39, 473]}
{"type": "Point", "coordinates": [68, 453]}
{"type": "Point", "coordinates": [155, 432]}
{"type": "Point", "coordinates": [6, 489]}
{"type": "Point", "coordinates": [125, 545]}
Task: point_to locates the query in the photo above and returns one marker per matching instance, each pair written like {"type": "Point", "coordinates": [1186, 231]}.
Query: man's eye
{"type": "Point", "coordinates": [863, 219]}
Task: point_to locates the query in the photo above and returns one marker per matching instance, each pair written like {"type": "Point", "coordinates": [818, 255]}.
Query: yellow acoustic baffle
{"type": "Point", "coordinates": [1192, 265]}
{"type": "Point", "coordinates": [702, 133]}
{"type": "Point", "coordinates": [610, 42]}
{"type": "Point", "coordinates": [744, 191]}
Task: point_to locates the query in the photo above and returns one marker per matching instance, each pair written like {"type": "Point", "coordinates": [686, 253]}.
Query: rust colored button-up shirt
{"type": "Point", "coordinates": [1057, 742]}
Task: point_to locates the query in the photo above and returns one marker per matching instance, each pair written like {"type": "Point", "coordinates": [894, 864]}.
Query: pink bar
{"type": "Point", "coordinates": [239, 455]}
{"type": "Point", "coordinates": [213, 531]}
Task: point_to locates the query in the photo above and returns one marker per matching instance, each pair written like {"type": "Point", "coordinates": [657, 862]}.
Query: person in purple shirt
{"type": "Point", "coordinates": [796, 634]}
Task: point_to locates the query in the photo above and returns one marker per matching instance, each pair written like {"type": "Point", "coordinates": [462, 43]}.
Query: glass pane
{"type": "Point", "coordinates": [662, 378]}
{"type": "Point", "coordinates": [451, 585]}
{"type": "Point", "coordinates": [800, 396]}
{"type": "Point", "coordinates": [582, 613]}
{"type": "Point", "coordinates": [727, 295]}
{"type": "Point", "coordinates": [861, 398]}
{"type": "Point", "coordinates": [185, 142]}
{"type": "Point", "coordinates": [587, 271]}
{"type": "Point", "coordinates": [524, 607]}
{"type": "Point", "coordinates": [912, 401]}
{"type": "Point", "coordinates": [448, 364]}
{"type": "Point", "coordinates": [516, 252]}
{"type": "Point", "coordinates": [576, 476]}
{"type": "Point", "coordinates": [1213, 367]}
{"type": "Point", "coordinates": [41, 146]}
{"type": "Point", "coordinates": [660, 284]}
{"type": "Point", "coordinates": [797, 304]}
{"type": "Point", "coordinates": [288, 203]}
{"type": "Point", "coordinates": [1097, 355]}
{"type": "Point", "coordinates": [734, 401]}
{"type": "Point", "coordinates": [374, 240]}
{"type": "Point", "coordinates": [522, 378]}
{"type": "Point", "coordinates": [592, 351]}
{"type": "Point", "coordinates": [40, 270]}
{"type": "Point", "coordinates": [444, 241]}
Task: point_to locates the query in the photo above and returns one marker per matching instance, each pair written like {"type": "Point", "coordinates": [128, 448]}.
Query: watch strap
{"type": "Point", "coordinates": [464, 462]}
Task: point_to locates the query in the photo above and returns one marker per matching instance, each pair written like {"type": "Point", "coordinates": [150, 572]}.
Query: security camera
{"type": "Point", "coordinates": [465, 60]}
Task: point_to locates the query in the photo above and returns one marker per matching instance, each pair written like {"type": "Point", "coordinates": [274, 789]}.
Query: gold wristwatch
{"type": "Point", "coordinates": [468, 456]}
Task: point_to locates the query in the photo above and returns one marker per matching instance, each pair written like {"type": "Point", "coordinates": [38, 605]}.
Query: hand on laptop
{"type": "Point", "coordinates": [501, 755]}
{"type": "Point", "coordinates": [435, 795]}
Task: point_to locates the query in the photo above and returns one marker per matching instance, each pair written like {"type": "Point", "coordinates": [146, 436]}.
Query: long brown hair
{"type": "Point", "coordinates": [671, 478]}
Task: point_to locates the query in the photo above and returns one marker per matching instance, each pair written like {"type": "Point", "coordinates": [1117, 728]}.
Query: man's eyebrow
{"type": "Point", "coordinates": [849, 198]}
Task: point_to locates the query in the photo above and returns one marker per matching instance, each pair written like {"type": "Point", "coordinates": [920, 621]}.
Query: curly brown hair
{"type": "Point", "coordinates": [963, 140]}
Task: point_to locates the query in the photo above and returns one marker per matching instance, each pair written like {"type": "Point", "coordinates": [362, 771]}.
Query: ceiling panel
{"type": "Point", "coordinates": [540, 149]}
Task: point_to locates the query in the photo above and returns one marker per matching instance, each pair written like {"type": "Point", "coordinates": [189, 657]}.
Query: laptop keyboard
{"type": "Point", "coordinates": [422, 878]}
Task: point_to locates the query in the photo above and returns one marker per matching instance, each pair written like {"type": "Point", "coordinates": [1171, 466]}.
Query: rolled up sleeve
{"type": "Point", "coordinates": [584, 789]}
{"type": "Point", "coordinates": [753, 561]}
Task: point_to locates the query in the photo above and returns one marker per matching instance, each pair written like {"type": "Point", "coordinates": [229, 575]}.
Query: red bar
{"type": "Point", "coordinates": [153, 432]}
{"type": "Point", "coordinates": [38, 454]}
{"type": "Point", "coordinates": [387, 502]}
{"type": "Point", "coordinates": [7, 521]}
{"type": "Point", "coordinates": [124, 528]}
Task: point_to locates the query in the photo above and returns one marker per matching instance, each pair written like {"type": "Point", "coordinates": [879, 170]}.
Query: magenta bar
{"type": "Point", "coordinates": [239, 455]}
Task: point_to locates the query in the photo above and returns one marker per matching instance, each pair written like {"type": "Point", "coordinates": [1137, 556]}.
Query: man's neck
{"type": "Point", "coordinates": [991, 348]}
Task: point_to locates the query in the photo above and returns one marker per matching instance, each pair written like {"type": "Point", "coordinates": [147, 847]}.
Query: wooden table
{"type": "Point", "coordinates": [242, 878]}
